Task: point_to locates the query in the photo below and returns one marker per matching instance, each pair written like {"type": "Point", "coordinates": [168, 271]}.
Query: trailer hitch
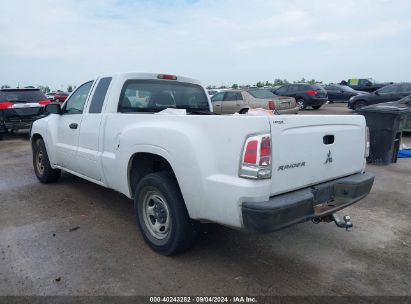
{"type": "Point", "coordinates": [342, 223]}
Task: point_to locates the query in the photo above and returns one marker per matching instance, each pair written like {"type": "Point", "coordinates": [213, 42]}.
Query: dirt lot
{"type": "Point", "coordinates": [41, 253]}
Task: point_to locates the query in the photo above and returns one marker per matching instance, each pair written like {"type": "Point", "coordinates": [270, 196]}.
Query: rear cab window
{"type": "Point", "coordinates": [152, 96]}
{"type": "Point", "coordinates": [99, 95]}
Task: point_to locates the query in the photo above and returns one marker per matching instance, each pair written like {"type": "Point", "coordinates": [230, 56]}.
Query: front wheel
{"type": "Point", "coordinates": [316, 107]}
{"type": "Point", "coordinates": [162, 216]}
{"type": "Point", "coordinates": [41, 163]}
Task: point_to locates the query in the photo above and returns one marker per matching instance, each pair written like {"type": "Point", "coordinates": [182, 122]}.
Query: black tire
{"type": "Point", "coordinates": [41, 163]}
{"type": "Point", "coordinates": [316, 107]}
{"type": "Point", "coordinates": [301, 103]}
{"type": "Point", "coordinates": [360, 104]}
{"type": "Point", "coordinates": [243, 111]}
{"type": "Point", "coordinates": [166, 227]}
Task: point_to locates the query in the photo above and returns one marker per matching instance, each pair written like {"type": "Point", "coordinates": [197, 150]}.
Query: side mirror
{"type": "Point", "coordinates": [53, 108]}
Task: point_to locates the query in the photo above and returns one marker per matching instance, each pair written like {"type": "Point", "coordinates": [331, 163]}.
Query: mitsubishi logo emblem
{"type": "Point", "coordinates": [329, 159]}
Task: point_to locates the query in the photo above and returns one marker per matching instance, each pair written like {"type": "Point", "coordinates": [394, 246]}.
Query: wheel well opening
{"type": "Point", "coordinates": [34, 137]}
{"type": "Point", "coordinates": [142, 164]}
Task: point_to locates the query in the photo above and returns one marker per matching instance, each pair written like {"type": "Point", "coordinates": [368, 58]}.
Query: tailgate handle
{"type": "Point", "coordinates": [73, 125]}
{"type": "Point", "coordinates": [328, 139]}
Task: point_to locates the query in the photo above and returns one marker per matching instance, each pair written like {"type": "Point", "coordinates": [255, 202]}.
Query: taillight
{"type": "Point", "coordinates": [265, 151]}
{"type": "Point", "coordinates": [256, 158]}
{"type": "Point", "coordinates": [271, 105]}
{"type": "Point", "coordinates": [250, 154]}
{"type": "Point", "coordinates": [367, 142]}
{"type": "Point", "coordinates": [5, 105]}
{"type": "Point", "coordinates": [311, 92]}
{"type": "Point", "coordinates": [167, 77]}
{"type": "Point", "coordinates": [44, 102]}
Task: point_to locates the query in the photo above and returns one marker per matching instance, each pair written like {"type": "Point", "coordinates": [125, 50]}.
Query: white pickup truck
{"type": "Point", "coordinates": [155, 139]}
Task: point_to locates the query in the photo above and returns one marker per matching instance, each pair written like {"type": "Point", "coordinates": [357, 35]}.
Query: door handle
{"type": "Point", "coordinates": [218, 105]}
{"type": "Point", "coordinates": [73, 125]}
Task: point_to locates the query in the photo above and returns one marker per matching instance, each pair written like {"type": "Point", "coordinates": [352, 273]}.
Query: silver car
{"type": "Point", "coordinates": [233, 101]}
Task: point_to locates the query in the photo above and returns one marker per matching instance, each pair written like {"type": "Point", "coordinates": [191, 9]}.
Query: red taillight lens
{"type": "Point", "coordinates": [168, 77]}
{"type": "Point", "coordinates": [271, 105]}
{"type": "Point", "coordinates": [265, 151]}
{"type": "Point", "coordinates": [5, 105]}
{"type": "Point", "coordinates": [250, 154]}
{"type": "Point", "coordinates": [256, 161]}
{"type": "Point", "coordinates": [311, 92]}
{"type": "Point", "coordinates": [44, 102]}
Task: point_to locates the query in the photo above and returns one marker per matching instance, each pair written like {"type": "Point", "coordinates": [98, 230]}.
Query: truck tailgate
{"type": "Point", "coordinates": [310, 149]}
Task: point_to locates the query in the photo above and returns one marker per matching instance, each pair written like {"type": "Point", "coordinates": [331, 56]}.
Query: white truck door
{"type": "Point", "coordinates": [69, 127]}
{"type": "Point", "coordinates": [88, 152]}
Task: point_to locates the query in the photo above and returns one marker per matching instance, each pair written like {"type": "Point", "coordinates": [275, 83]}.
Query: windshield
{"type": "Point", "coordinates": [261, 93]}
{"type": "Point", "coordinates": [157, 95]}
{"type": "Point", "coordinates": [22, 96]}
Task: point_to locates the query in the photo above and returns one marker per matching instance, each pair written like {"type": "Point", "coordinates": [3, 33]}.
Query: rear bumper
{"type": "Point", "coordinates": [18, 124]}
{"type": "Point", "coordinates": [299, 206]}
{"type": "Point", "coordinates": [289, 111]}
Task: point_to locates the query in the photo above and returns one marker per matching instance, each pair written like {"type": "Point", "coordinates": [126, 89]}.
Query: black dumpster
{"type": "Point", "coordinates": [385, 122]}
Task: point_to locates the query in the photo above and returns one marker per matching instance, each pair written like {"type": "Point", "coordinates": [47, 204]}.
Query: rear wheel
{"type": "Point", "coordinates": [316, 107]}
{"type": "Point", "coordinates": [162, 216]}
{"type": "Point", "coordinates": [41, 163]}
{"type": "Point", "coordinates": [301, 104]}
{"type": "Point", "coordinates": [359, 104]}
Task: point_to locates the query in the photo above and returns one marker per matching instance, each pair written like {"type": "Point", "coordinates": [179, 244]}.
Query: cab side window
{"type": "Point", "coordinates": [230, 96]}
{"type": "Point", "coordinates": [75, 104]}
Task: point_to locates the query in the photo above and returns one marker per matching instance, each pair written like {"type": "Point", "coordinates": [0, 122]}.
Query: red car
{"type": "Point", "coordinates": [60, 96]}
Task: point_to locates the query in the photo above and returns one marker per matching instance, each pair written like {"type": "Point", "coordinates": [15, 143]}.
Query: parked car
{"type": "Point", "coordinates": [365, 84]}
{"type": "Point", "coordinates": [50, 96]}
{"type": "Point", "coordinates": [307, 95]}
{"type": "Point", "coordinates": [341, 93]}
{"type": "Point", "coordinates": [388, 93]}
{"type": "Point", "coordinates": [20, 107]}
{"type": "Point", "coordinates": [183, 166]}
{"type": "Point", "coordinates": [241, 101]}
{"type": "Point", "coordinates": [60, 96]}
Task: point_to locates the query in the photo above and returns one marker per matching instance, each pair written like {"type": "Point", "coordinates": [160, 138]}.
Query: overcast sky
{"type": "Point", "coordinates": [56, 43]}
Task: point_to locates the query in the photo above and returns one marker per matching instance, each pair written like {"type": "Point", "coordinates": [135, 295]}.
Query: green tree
{"type": "Point", "coordinates": [5, 86]}
{"type": "Point", "coordinates": [234, 86]}
{"type": "Point", "coordinates": [70, 89]}
{"type": "Point", "coordinates": [279, 82]}
{"type": "Point", "coordinates": [44, 89]}
{"type": "Point", "coordinates": [259, 84]}
{"type": "Point", "coordinates": [267, 84]}
{"type": "Point", "coordinates": [208, 87]}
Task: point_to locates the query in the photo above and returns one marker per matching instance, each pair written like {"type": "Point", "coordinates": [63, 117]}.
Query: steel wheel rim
{"type": "Point", "coordinates": [300, 104]}
{"type": "Point", "coordinates": [156, 215]}
{"type": "Point", "coordinates": [39, 162]}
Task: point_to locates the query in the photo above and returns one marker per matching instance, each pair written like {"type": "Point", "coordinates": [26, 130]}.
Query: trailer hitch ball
{"type": "Point", "coordinates": [342, 223]}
